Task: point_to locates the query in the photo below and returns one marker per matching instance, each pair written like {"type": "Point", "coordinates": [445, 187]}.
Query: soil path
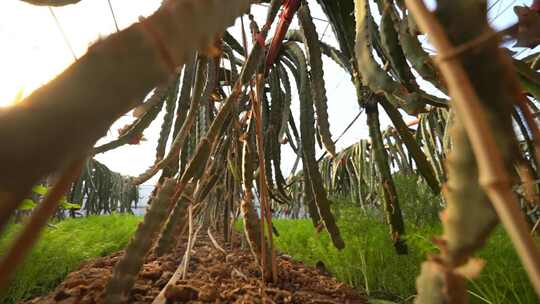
{"type": "Point", "coordinates": [212, 277]}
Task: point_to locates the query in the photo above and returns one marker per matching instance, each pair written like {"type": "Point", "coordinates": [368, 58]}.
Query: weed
{"type": "Point", "coordinates": [62, 248]}
{"type": "Point", "coordinates": [370, 263]}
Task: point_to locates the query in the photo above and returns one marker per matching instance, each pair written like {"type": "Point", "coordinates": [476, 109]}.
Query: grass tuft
{"type": "Point", "coordinates": [369, 261]}
{"type": "Point", "coordinates": [63, 248]}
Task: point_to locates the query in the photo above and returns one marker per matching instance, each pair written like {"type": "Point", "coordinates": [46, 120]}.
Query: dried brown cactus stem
{"type": "Point", "coordinates": [373, 75]}
{"type": "Point", "coordinates": [252, 227]}
{"type": "Point", "coordinates": [406, 159]}
{"type": "Point", "coordinates": [275, 120]}
{"type": "Point", "coordinates": [269, 265]}
{"type": "Point", "coordinates": [336, 55]}
{"type": "Point", "coordinates": [467, 222]}
{"type": "Point", "coordinates": [417, 56]}
{"type": "Point", "coordinates": [318, 90]}
{"type": "Point", "coordinates": [230, 184]}
{"type": "Point", "coordinates": [170, 106]}
{"type": "Point", "coordinates": [469, 217]}
{"type": "Point", "coordinates": [307, 122]}
{"type": "Point", "coordinates": [187, 125]}
{"type": "Point", "coordinates": [184, 98]}
{"type": "Point", "coordinates": [221, 122]}
{"type": "Point", "coordinates": [167, 239]}
{"type": "Point", "coordinates": [390, 198]}
{"type": "Point", "coordinates": [175, 221]}
{"type": "Point", "coordinates": [486, 124]}
{"type": "Point", "coordinates": [425, 132]}
{"type": "Point", "coordinates": [412, 146]}
{"type": "Point", "coordinates": [152, 106]}
{"type": "Point", "coordinates": [391, 46]}
{"type": "Point", "coordinates": [126, 270]}
{"type": "Point", "coordinates": [309, 200]}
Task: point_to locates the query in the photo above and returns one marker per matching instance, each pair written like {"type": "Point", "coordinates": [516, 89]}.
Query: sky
{"type": "Point", "coordinates": [38, 43]}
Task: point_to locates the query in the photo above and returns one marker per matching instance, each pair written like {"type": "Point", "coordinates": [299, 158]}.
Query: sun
{"type": "Point", "coordinates": [32, 54]}
{"type": "Point", "coordinates": [7, 102]}
{"type": "Point", "coordinates": [22, 72]}
{"type": "Point", "coordinates": [19, 80]}
{"type": "Point", "coordinates": [25, 69]}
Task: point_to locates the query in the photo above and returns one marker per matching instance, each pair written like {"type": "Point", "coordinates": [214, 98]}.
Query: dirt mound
{"type": "Point", "coordinates": [212, 277]}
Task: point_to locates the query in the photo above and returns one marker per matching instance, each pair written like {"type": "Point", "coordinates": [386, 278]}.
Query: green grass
{"type": "Point", "coordinates": [62, 249]}
{"type": "Point", "coordinates": [369, 262]}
